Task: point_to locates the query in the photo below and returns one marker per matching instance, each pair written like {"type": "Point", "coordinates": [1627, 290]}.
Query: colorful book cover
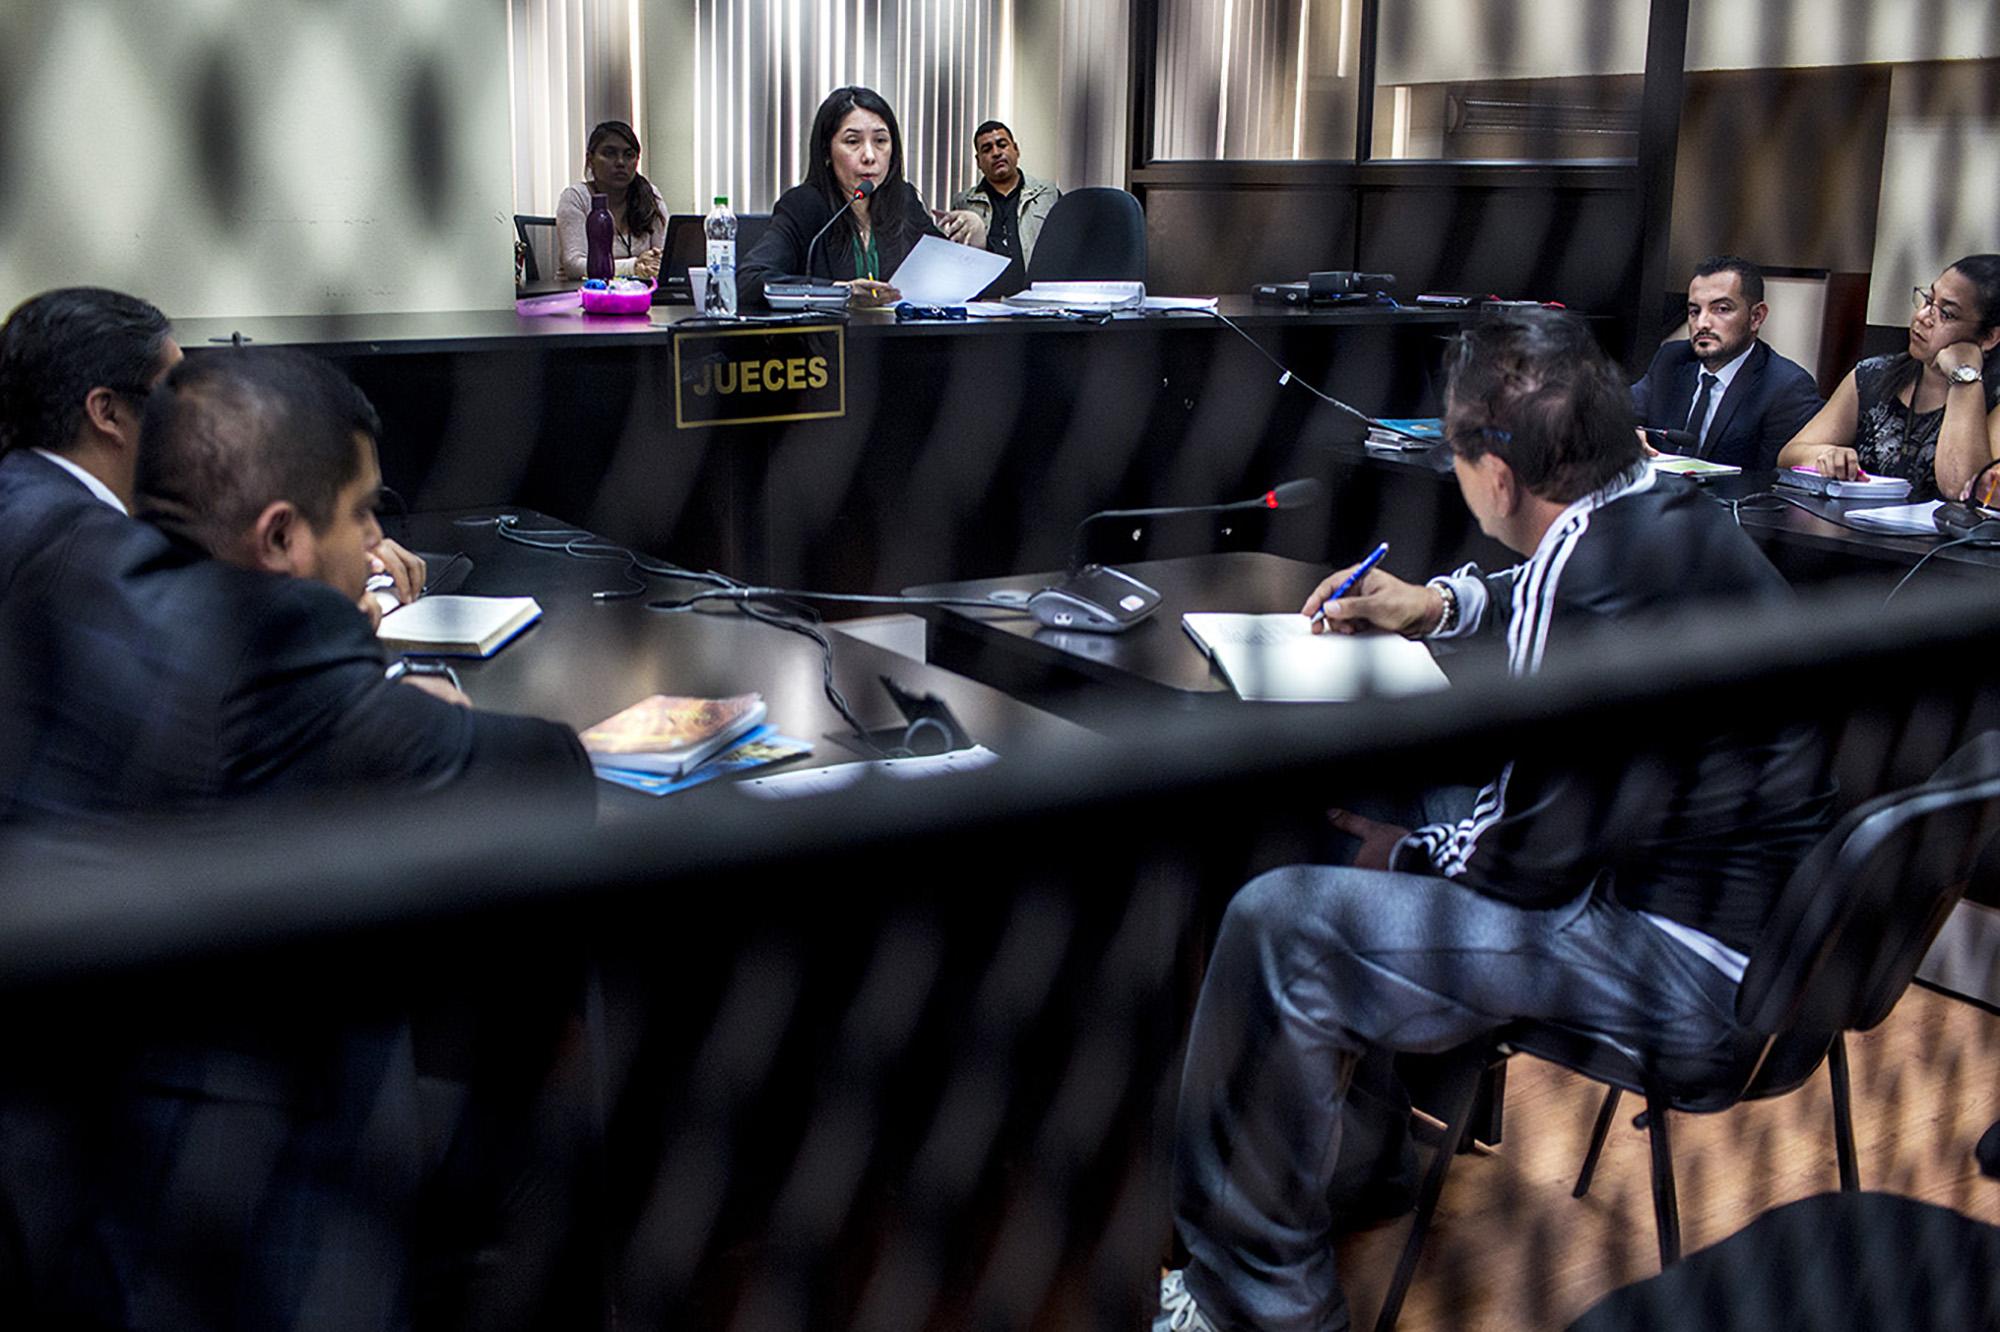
{"type": "Point", "coordinates": [761, 748]}
{"type": "Point", "coordinates": [666, 723]}
{"type": "Point", "coordinates": [1415, 427]}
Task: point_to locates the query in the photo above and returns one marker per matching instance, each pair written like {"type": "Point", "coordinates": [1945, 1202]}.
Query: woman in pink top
{"type": "Point", "coordinates": [638, 213]}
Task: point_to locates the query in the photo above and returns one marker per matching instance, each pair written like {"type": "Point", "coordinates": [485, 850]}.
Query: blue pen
{"type": "Point", "coordinates": [1374, 558]}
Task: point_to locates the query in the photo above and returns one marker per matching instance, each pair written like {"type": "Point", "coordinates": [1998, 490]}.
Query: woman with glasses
{"type": "Point", "coordinates": [1928, 413]}
{"type": "Point", "coordinates": [638, 213]}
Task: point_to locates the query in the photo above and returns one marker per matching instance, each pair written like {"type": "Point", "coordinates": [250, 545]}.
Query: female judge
{"type": "Point", "coordinates": [638, 213]}
{"type": "Point", "coordinates": [1927, 413]}
{"type": "Point", "coordinates": [855, 142]}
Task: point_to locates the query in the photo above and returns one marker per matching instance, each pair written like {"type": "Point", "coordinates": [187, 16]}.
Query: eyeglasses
{"type": "Point", "coordinates": [1921, 298]}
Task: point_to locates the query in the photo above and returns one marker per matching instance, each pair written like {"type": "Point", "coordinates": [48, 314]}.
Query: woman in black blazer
{"type": "Point", "coordinates": [855, 139]}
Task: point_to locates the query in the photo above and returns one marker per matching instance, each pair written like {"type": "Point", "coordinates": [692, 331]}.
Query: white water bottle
{"type": "Point", "coordinates": [720, 298]}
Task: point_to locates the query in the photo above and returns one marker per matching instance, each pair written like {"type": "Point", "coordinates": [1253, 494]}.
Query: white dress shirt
{"type": "Point", "coordinates": [1721, 389]}
{"type": "Point", "coordinates": [90, 483]}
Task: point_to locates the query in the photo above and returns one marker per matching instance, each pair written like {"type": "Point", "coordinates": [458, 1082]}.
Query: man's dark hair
{"type": "Point", "coordinates": [1751, 276]}
{"type": "Point", "coordinates": [986, 128]}
{"type": "Point", "coordinates": [58, 346]}
{"type": "Point", "coordinates": [1533, 387]}
{"type": "Point", "coordinates": [231, 432]}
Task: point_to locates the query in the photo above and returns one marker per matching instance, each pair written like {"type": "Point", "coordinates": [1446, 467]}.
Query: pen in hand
{"type": "Point", "coordinates": [1347, 584]}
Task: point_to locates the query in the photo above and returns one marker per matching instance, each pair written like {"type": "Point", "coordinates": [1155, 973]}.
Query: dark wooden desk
{"type": "Point", "coordinates": [967, 451]}
{"type": "Point", "coordinates": [1804, 535]}
{"type": "Point", "coordinates": [1106, 679]}
{"type": "Point", "coordinates": [585, 659]}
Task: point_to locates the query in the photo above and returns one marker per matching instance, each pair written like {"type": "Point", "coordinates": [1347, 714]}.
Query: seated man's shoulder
{"type": "Point", "coordinates": [1664, 544]}
{"type": "Point", "coordinates": [1779, 365]}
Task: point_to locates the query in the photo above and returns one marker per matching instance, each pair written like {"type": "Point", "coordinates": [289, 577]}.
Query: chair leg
{"type": "Point", "coordinates": [1666, 1210]}
{"type": "Point", "coordinates": [1597, 1136]}
{"type": "Point", "coordinates": [1464, 1095]}
{"type": "Point", "coordinates": [1843, 1116]}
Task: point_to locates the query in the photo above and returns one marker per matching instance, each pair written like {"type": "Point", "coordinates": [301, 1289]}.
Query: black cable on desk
{"type": "Point", "coordinates": [1285, 375]}
{"type": "Point", "coordinates": [1977, 542]}
{"type": "Point", "coordinates": [802, 620]}
{"type": "Point", "coordinates": [743, 592]}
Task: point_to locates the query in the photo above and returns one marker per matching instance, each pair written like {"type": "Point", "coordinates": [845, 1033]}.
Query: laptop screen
{"type": "Point", "coordinates": [687, 247]}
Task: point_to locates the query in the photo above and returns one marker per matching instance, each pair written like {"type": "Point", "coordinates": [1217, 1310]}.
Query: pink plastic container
{"type": "Point", "coordinates": [618, 302]}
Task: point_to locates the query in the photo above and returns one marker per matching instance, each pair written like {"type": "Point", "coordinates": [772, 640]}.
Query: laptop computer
{"type": "Point", "coordinates": [687, 247]}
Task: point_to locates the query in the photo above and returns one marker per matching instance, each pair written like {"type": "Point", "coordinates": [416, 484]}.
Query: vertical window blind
{"type": "Point", "coordinates": [761, 67]}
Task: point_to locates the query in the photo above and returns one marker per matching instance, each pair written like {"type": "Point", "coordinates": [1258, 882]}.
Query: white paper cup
{"type": "Point", "coordinates": [698, 285]}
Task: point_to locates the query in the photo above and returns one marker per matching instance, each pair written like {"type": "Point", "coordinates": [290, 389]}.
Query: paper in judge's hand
{"type": "Point", "coordinates": [938, 272]}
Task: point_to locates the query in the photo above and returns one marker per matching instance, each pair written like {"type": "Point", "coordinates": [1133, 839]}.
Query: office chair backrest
{"type": "Point", "coordinates": [1855, 920]}
{"type": "Point", "coordinates": [1091, 234]}
{"type": "Point", "coordinates": [539, 235]}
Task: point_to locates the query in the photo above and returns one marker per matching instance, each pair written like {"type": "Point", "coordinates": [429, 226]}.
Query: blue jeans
{"type": "Point", "coordinates": [1316, 965]}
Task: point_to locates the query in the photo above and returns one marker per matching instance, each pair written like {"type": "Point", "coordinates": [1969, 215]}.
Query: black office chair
{"type": "Point", "coordinates": [1091, 234]}
{"type": "Point", "coordinates": [1842, 943]}
{"type": "Point", "coordinates": [539, 235]}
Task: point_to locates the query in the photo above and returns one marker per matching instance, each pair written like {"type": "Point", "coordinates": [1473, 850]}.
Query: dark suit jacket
{"type": "Point", "coordinates": [1767, 403]}
{"type": "Point", "coordinates": [214, 1157]}
{"type": "Point", "coordinates": [780, 253]}
{"type": "Point", "coordinates": [144, 677]}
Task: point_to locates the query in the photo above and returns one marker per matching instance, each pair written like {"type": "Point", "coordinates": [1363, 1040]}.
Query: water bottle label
{"type": "Point", "coordinates": [721, 276]}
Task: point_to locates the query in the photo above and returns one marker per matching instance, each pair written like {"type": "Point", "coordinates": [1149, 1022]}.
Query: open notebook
{"type": "Point", "coordinates": [1279, 659]}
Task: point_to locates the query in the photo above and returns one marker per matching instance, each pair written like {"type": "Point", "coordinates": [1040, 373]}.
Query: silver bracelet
{"type": "Point", "coordinates": [1449, 620]}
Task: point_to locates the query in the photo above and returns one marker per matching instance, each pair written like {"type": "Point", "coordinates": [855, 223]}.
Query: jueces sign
{"type": "Point", "coordinates": [748, 375]}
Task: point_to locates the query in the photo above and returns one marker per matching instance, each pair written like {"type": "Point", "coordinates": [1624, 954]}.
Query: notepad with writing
{"type": "Point", "coordinates": [457, 626]}
{"type": "Point", "coordinates": [1278, 658]}
{"type": "Point", "coordinates": [669, 734]}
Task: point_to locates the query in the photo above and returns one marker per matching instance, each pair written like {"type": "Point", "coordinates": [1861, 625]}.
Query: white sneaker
{"type": "Point", "coordinates": [1178, 1311]}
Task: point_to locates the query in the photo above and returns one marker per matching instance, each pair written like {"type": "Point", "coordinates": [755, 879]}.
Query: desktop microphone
{"type": "Point", "coordinates": [861, 191]}
{"type": "Point", "coordinates": [1102, 600]}
{"type": "Point", "coordinates": [1299, 494]}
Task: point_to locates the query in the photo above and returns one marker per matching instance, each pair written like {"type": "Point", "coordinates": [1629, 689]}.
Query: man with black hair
{"type": "Point", "coordinates": [147, 677]}
{"type": "Point", "coordinates": [75, 368]}
{"type": "Point", "coordinates": [1004, 212]}
{"type": "Point", "coordinates": [76, 364]}
{"type": "Point", "coordinates": [1623, 901]}
{"type": "Point", "coordinates": [1724, 385]}
{"type": "Point", "coordinates": [226, 1159]}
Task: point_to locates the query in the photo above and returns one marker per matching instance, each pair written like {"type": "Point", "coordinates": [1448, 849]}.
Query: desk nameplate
{"type": "Point", "coordinates": [750, 376]}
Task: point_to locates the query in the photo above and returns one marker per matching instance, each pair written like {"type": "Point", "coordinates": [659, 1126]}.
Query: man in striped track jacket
{"type": "Point", "coordinates": [1620, 900]}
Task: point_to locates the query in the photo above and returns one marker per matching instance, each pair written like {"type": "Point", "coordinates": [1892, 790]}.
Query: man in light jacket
{"type": "Point", "coordinates": [1004, 212]}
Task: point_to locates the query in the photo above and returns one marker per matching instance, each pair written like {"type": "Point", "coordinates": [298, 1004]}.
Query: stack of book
{"type": "Point", "coordinates": [668, 743]}
{"type": "Point", "coordinates": [1405, 433]}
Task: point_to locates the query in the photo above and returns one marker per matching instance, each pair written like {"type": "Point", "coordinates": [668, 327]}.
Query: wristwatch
{"type": "Point", "coordinates": [1964, 374]}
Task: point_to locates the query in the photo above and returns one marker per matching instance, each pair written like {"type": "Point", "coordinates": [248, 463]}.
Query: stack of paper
{"type": "Point", "coordinates": [1081, 296]}
{"type": "Point", "coordinates": [1900, 519]}
{"type": "Point", "coordinates": [1278, 658]}
{"type": "Point", "coordinates": [1868, 487]}
{"type": "Point", "coordinates": [1680, 464]}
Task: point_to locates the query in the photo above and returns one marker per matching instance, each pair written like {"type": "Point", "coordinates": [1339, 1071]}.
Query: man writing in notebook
{"type": "Point", "coordinates": [1623, 901]}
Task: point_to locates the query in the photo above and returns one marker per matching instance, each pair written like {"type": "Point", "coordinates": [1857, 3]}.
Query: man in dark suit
{"type": "Point", "coordinates": [147, 677]}
{"type": "Point", "coordinates": [211, 1161]}
{"type": "Point", "coordinates": [1740, 400]}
